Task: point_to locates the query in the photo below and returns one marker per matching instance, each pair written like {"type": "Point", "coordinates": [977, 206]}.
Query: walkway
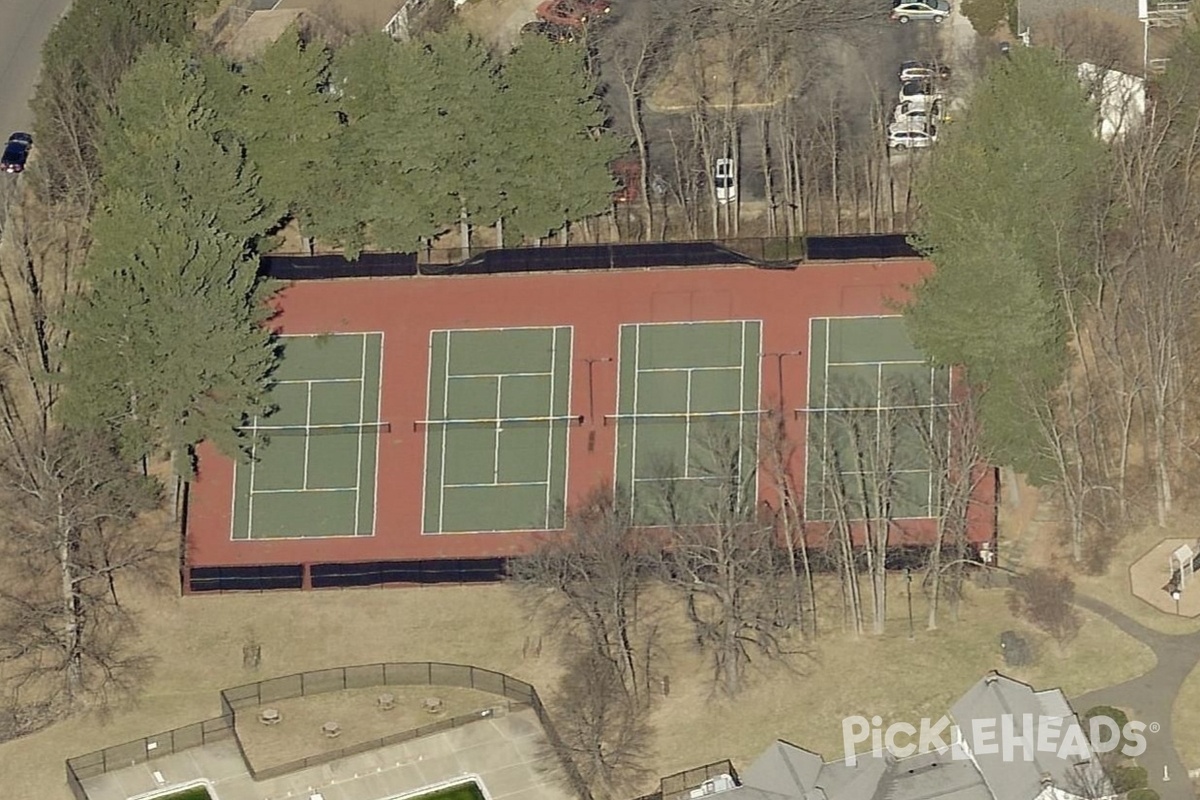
{"type": "Point", "coordinates": [1150, 697]}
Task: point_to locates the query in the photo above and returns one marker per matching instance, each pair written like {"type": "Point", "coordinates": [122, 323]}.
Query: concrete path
{"type": "Point", "coordinates": [1150, 697]}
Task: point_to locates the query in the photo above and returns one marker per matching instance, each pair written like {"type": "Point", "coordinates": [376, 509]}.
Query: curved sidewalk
{"type": "Point", "coordinates": [1151, 697]}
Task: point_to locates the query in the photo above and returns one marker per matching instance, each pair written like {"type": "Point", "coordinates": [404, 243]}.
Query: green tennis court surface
{"type": "Point", "coordinates": [496, 432]}
{"type": "Point", "coordinates": [687, 415]}
{"type": "Point", "coordinates": [873, 401]}
{"type": "Point", "coordinates": [312, 471]}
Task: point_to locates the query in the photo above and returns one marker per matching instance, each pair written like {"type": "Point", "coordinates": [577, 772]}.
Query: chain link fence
{"type": "Point", "coordinates": [518, 693]}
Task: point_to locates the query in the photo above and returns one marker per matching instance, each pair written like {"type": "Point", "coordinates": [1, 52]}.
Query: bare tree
{"type": "Point", "coordinates": [778, 456]}
{"type": "Point", "coordinates": [605, 731]}
{"type": "Point", "coordinates": [638, 49]}
{"type": "Point", "coordinates": [723, 555]}
{"type": "Point", "coordinates": [70, 511]}
{"type": "Point", "coordinates": [862, 434]}
{"type": "Point", "coordinates": [949, 436]}
{"type": "Point", "coordinates": [595, 573]}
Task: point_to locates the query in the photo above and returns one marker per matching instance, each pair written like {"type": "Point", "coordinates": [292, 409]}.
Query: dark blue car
{"type": "Point", "coordinates": [16, 152]}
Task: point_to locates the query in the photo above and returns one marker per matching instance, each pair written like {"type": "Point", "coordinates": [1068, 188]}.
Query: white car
{"type": "Point", "coordinates": [904, 11]}
{"type": "Point", "coordinates": [923, 71]}
{"type": "Point", "coordinates": [725, 180]}
{"type": "Point", "coordinates": [919, 107]}
{"type": "Point", "coordinates": [916, 133]}
{"type": "Point", "coordinates": [919, 90]}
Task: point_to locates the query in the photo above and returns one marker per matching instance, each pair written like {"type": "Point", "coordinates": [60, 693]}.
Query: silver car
{"type": "Point", "coordinates": [905, 10]}
{"type": "Point", "coordinates": [923, 106]}
{"type": "Point", "coordinates": [914, 132]}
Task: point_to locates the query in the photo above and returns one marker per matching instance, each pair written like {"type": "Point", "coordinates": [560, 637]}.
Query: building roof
{"type": "Point", "coordinates": [1018, 774]}
{"type": "Point", "coordinates": [786, 769]}
{"type": "Point", "coordinates": [958, 773]}
{"type": "Point", "coordinates": [934, 776]}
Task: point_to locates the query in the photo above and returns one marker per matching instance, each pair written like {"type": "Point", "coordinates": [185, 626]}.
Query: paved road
{"type": "Point", "coordinates": [1151, 697]}
{"type": "Point", "coordinates": [24, 25]}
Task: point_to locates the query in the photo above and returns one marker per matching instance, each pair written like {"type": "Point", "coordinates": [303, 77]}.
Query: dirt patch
{"type": "Point", "coordinates": [705, 74]}
{"type": "Point", "coordinates": [358, 715]}
{"type": "Point", "coordinates": [498, 22]}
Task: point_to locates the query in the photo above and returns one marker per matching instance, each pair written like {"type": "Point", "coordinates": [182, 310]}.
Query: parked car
{"type": "Point", "coordinates": [915, 132]}
{"type": "Point", "coordinates": [725, 180]}
{"type": "Point", "coordinates": [16, 152]}
{"type": "Point", "coordinates": [923, 71]}
{"type": "Point", "coordinates": [924, 106]}
{"type": "Point", "coordinates": [919, 90]}
{"type": "Point", "coordinates": [904, 11]}
{"type": "Point", "coordinates": [555, 33]}
{"type": "Point", "coordinates": [572, 14]}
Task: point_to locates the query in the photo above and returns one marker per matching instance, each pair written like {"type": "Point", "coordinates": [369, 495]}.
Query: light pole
{"type": "Point", "coordinates": [591, 393]}
{"type": "Point", "coordinates": [908, 581]}
{"type": "Point", "coordinates": [779, 369]}
{"type": "Point", "coordinates": [1175, 595]}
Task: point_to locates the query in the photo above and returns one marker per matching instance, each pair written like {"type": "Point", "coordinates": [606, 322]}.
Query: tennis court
{"type": "Point", "coordinates": [687, 415]}
{"type": "Point", "coordinates": [496, 429]}
{"type": "Point", "coordinates": [313, 462]}
{"type": "Point", "coordinates": [873, 402]}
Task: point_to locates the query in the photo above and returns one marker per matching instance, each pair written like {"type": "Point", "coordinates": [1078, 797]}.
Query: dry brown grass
{"type": "Point", "coordinates": [1185, 721]}
{"type": "Point", "coordinates": [199, 642]}
{"type": "Point", "coordinates": [1113, 586]}
{"type": "Point", "coordinates": [704, 75]}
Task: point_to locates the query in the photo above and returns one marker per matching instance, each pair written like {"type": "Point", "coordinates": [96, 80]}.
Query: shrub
{"type": "Point", "coordinates": [985, 15]}
{"type": "Point", "coordinates": [1118, 716]}
{"type": "Point", "coordinates": [1128, 779]}
{"type": "Point", "coordinates": [1143, 794]}
{"type": "Point", "coordinates": [1046, 599]}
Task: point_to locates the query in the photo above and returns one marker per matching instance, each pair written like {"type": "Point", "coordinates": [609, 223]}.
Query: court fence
{"type": "Point", "coordinates": [517, 693]}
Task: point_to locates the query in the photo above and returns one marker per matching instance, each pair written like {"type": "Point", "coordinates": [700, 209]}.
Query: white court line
{"type": "Point", "coordinates": [825, 425]}
{"type": "Point", "coordinates": [318, 380]}
{"type": "Point", "coordinates": [441, 526]}
{"type": "Point", "coordinates": [253, 464]}
{"type": "Point", "coordinates": [729, 368]}
{"type": "Point", "coordinates": [906, 362]}
{"type": "Point", "coordinates": [307, 438]}
{"type": "Point", "coordinates": [362, 417]}
{"type": "Point", "coordinates": [466, 375]}
{"type": "Point", "coordinates": [305, 491]}
{"type": "Point", "coordinates": [499, 428]}
{"type": "Point", "coordinates": [428, 413]}
{"type": "Point", "coordinates": [633, 451]}
{"type": "Point", "coordinates": [700, 478]}
{"type": "Point", "coordinates": [566, 446]}
{"type": "Point", "coordinates": [687, 427]}
{"type": "Point", "coordinates": [550, 428]}
{"type": "Point", "coordinates": [378, 417]}
{"type": "Point", "coordinates": [495, 485]}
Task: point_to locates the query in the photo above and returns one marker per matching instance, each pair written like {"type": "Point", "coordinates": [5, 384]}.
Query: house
{"type": "Point", "coordinates": [1044, 761]}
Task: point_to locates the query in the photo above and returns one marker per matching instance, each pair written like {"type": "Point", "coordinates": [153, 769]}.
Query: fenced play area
{"type": "Point", "coordinates": [876, 420]}
{"type": "Point", "coordinates": [687, 414]}
{"type": "Point", "coordinates": [313, 461]}
{"type": "Point", "coordinates": [496, 431]}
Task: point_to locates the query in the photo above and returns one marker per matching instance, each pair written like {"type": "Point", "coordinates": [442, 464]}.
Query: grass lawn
{"type": "Point", "coordinates": [1185, 721]}
{"type": "Point", "coordinates": [891, 676]}
{"type": "Point", "coordinates": [463, 791]}
{"type": "Point", "coordinates": [1113, 587]}
{"type": "Point", "coordinates": [197, 793]}
{"type": "Point", "coordinates": [199, 641]}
